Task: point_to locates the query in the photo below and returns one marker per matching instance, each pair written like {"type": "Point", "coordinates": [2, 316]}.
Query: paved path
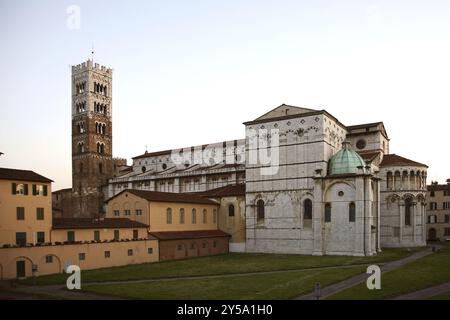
{"type": "Point", "coordinates": [426, 293]}
{"type": "Point", "coordinates": [361, 278]}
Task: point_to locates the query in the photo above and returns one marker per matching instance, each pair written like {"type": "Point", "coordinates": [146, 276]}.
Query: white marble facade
{"type": "Point", "coordinates": [286, 199]}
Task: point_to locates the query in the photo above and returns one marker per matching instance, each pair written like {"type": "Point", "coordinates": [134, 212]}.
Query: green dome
{"type": "Point", "coordinates": [345, 161]}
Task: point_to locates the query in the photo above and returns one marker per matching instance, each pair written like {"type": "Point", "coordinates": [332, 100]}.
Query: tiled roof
{"type": "Point", "coordinates": [438, 187]}
{"type": "Point", "coordinates": [153, 154]}
{"type": "Point", "coordinates": [91, 223]}
{"type": "Point", "coordinates": [22, 175]}
{"type": "Point", "coordinates": [198, 234]}
{"type": "Point", "coordinates": [167, 196]}
{"type": "Point", "coordinates": [395, 160]}
{"type": "Point", "coordinates": [226, 191]}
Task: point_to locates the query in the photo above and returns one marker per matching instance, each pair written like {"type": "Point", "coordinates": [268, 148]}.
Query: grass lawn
{"type": "Point", "coordinates": [223, 264]}
{"type": "Point", "coordinates": [425, 272]}
{"type": "Point", "coordinates": [285, 285]}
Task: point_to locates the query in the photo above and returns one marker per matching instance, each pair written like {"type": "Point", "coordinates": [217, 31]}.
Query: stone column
{"type": "Point", "coordinates": [318, 208]}
{"type": "Point", "coordinates": [176, 185]}
{"type": "Point", "coordinates": [413, 222]}
{"type": "Point", "coordinates": [401, 219]}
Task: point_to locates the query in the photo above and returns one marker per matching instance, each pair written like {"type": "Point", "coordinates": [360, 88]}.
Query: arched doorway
{"type": "Point", "coordinates": [432, 234]}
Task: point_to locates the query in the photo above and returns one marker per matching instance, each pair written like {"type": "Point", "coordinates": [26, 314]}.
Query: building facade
{"type": "Point", "coordinates": [438, 212]}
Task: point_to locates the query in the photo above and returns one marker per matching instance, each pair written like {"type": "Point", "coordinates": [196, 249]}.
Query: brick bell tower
{"type": "Point", "coordinates": [92, 163]}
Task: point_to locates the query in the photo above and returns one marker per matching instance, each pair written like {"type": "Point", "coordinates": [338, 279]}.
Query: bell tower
{"type": "Point", "coordinates": [92, 163]}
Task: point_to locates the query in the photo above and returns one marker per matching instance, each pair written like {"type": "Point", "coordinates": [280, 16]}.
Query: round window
{"type": "Point", "coordinates": [341, 193]}
{"type": "Point", "coordinates": [361, 144]}
{"type": "Point", "coordinates": [164, 166]}
{"type": "Point", "coordinates": [143, 169]}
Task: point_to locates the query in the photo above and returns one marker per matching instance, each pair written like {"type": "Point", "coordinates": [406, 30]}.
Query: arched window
{"type": "Point", "coordinates": [351, 212]}
{"type": "Point", "coordinates": [328, 212]}
{"type": "Point", "coordinates": [260, 210]}
{"type": "Point", "coordinates": [231, 210]}
{"type": "Point", "coordinates": [205, 216]}
{"type": "Point", "coordinates": [214, 215]}
{"type": "Point", "coordinates": [103, 128]}
{"type": "Point", "coordinates": [169, 216]}
{"type": "Point", "coordinates": [194, 216]}
{"type": "Point", "coordinates": [307, 213]}
{"type": "Point", "coordinates": [181, 216]}
{"type": "Point", "coordinates": [80, 147]}
{"type": "Point", "coordinates": [389, 180]}
{"type": "Point", "coordinates": [408, 205]}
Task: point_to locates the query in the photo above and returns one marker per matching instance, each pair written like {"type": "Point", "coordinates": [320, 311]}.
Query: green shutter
{"type": "Point", "coordinates": [45, 190]}
{"type": "Point", "coordinates": [25, 189]}
{"type": "Point", "coordinates": [13, 188]}
{"type": "Point", "coordinates": [34, 189]}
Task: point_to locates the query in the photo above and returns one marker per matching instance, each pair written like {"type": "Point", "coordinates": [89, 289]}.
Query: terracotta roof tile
{"type": "Point", "coordinates": [167, 196]}
{"type": "Point", "coordinates": [198, 234]}
{"type": "Point", "coordinates": [395, 160]}
{"type": "Point", "coordinates": [226, 191]}
{"type": "Point", "coordinates": [90, 223]}
{"type": "Point", "coordinates": [22, 175]}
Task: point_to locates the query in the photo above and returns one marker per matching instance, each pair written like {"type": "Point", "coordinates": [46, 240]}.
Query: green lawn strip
{"type": "Point", "coordinates": [222, 264]}
{"type": "Point", "coordinates": [423, 273]}
{"type": "Point", "coordinates": [283, 285]}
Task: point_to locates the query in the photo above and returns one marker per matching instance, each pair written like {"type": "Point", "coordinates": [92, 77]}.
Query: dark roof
{"type": "Point", "coordinates": [167, 196]}
{"type": "Point", "coordinates": [63, 190]}
{"type": "Point", "coordinates": [438, 187]}
{"type": "Point", "coordinates": [395, 160]}
{"type": "Point", "coordinates": [198, 234]}
{"type": "Point", "coordinates": [153, 154]}
{"type": "Point", "coordinates": [369, 156]}
{"type": "Point", "coordinates": [91, 223]}
{"type": "Point", "coordinates": [226, 191]}
{"type": "Point", "coordinates": [22, 175]}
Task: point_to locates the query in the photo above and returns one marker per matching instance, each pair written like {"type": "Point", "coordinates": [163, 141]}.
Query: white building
{"type": "Point", "coordinates": [312, 184]}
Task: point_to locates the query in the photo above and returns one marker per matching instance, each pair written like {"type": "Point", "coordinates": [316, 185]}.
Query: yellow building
{"type": "Point", "coordinates": [186, 225]}
{"type": "Point", "coordinates": [25, 207]}
{"type": "Point", "coordinates": [438, 212]}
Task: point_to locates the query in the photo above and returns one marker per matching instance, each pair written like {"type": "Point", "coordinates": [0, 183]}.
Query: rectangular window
{"type": "Point", "coordinates": [82, 256]}
{"type": "Point", "coordinates": [71, 236]}
{"type": "Point", "coordinates": [128, 212]}
{"type": "Point", "coordinates": [96, 235]}
{"type": "Point", "coordinates": [39, 213]}
{"type": "Point", "coordinates": [130, 252]}
{"type": "Point", "coordinates": [150, 250]}
{"type": "Point", "coordinates": [139, 212]}
{"type": "Point", "coordinates": [432, 219]}
{"type": "Point", "coordinates": [327, 212]}
{"type": "Point", "coordinates": [352, 212]}
{"type": "Point", "coordinates": [116, 213]}
{"type": "Point", "coordinates": [21, 238]}
{"type": "Point", "coordinates": [116, 234]}
{"type": "Point", "coordinates": [446, 193]}
{"type": "Point", "coordinates": [447, 218]}
{"type": "Point", "coordinates": [48, 259]}
{"type": "Point", "coordinates": [446, 231]}
{"type": "Point", "coordinates": [20, 213]}
{"type": "Point", "coordinates": [431, 193]}
{"type": "Point", "coordinates": [135, 234]}
{"type": "Point", "coordinates": [446, 205]}
{"type": "Point", "coordinates": [433, 206]}
{"type": "Point", "coordinates": [107, 254]}
{"type": "Point", "coordinates": [39, 190]}
{"type": "Point", "coordinates": [40, 237]}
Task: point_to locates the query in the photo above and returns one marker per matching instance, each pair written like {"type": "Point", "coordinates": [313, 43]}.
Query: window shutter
{"type": "Point", "coordinates": [25, 189]}
{"type": "Point", "coordinates": [13, 188]}
{"type": "Point", "coordinates": [45, 190]}
{"type": "Point", "coordinates": [34, 189]}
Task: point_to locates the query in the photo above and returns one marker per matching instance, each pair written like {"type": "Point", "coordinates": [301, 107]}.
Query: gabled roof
{"type": "Point", "coordinates": [153, 154]}
{"type": "Point", "coordinates": [284, 110]}
{"type": "Point", "coordinates": [233, 190]}
{"type": "Point", "coordinates": [22, 175]}
{"type": "Point", "coordinates": [166, 196]}
{"type": "Point", "coordinates": [90, 223]}
{"type": "Point", "coordinates": [379, 127]}
{"type": "Point", "coordinates": [176, 235]}
{"type": "Point", "coordinates": [393, 160]}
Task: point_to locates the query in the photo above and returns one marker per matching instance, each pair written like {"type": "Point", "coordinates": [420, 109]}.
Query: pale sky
{"type": "Point", "coordinates": [190, 72]}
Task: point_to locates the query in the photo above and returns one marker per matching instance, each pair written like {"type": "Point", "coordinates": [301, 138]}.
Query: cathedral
{"type": "Point", "coordinates": [299, 182]}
